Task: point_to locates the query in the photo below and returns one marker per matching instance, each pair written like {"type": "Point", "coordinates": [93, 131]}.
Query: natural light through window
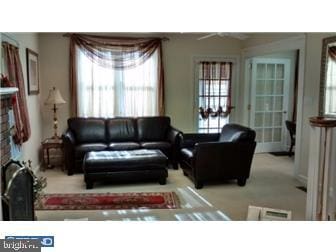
{"type": "Point", "coordinates": [104, 91]}
{"type": "Point", "coordinates": [330, 99]}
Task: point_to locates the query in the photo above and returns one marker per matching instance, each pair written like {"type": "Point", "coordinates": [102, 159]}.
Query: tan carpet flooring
{"type": "Point", "coordinates": [271, 185]}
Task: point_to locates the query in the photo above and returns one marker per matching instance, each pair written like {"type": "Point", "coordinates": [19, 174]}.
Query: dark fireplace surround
{"type": "Point", "coordinates": [5, 129]}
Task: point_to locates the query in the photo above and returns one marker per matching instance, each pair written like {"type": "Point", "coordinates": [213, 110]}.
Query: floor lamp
{"type": "Point", "coordinates": [55, 98]}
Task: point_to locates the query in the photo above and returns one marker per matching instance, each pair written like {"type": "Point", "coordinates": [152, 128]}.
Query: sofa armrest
{"type": "Point", "coordinates": [68, 138]}
{"type": "Point", "coordinates": [173, 138]}
{"type": "Point", "coordinates": [69, 144]}
{"type": "Point", "coordinates": [188, 140]}
{"type": "Point", "coordinates": [173, 135]}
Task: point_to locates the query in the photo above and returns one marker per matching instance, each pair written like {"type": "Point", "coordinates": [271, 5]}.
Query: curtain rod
{"type": "Point", "coordinates": [69, 35]}
{"type": "Point", "coordinates": [9, 37]}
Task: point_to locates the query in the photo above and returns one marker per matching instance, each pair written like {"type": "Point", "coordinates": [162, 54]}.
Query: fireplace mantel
{"type": "Point", "coordinates": [8, 91]}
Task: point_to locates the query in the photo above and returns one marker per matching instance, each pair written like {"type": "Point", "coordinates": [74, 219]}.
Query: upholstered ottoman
{"type": "Point", "coordinates": [126, 165]}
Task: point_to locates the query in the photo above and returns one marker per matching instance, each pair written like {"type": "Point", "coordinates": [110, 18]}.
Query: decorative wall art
{"type": "Point", "coordinates": [32, 72]}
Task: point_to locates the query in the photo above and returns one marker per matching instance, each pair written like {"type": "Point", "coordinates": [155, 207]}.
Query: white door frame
{"type": "Point", "coordinates": [285, 104]}
{"type": "Point", "coordinates": [294, 43]}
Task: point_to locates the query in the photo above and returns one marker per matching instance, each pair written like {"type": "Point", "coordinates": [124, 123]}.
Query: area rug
{"type": "Point", "coordinates": [99, 201]}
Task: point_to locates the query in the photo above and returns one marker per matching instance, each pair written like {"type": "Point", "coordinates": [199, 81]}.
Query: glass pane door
{"type": "Point", "coordinates": [269, 102]}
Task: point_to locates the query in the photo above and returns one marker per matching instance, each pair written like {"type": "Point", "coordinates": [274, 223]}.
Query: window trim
{"type": "Point", "coordinates": [235, 59]}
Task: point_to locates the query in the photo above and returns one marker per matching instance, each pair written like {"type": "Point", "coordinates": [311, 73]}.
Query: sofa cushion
{"type": "Point", "coordinates": [120, 130]}
{"type": "Point", "coordinates": [155, 145]}
{"type": "Point", "coordinates": [81, 149]}
{"type": "Point", "coordinates": [124, 161]}
{"type": "Point", "coordinates": [88, 130]}
{"type": "Point", "coordinates": [153, 128]}
{"type": "Point", "coordinates": [236, 133]}
{"type": "Point", "coordinates": [124, 146]}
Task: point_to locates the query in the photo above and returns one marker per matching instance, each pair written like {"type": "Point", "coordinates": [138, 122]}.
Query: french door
{"type": "Point", "coordinates": [269, 103]}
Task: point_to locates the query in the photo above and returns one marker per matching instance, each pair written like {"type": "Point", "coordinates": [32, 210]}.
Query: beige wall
{"type": "Point", "coordinates": [31, 149]}
{"type": "Point", "coordinates": [178, 55]}
{"type": "Point", "coordinates": [54, 59]}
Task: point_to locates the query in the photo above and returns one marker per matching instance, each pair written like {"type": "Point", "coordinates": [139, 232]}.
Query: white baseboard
{"type": "Point", "coordinates": [303, 179]}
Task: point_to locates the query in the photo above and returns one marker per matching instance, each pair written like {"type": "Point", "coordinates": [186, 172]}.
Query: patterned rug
{"type": "Point", "coordinates": [98, 201]}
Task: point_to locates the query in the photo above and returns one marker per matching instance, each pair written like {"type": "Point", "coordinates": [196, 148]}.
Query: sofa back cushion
{"type": "Point", "coordinates": [121, 130]}
{"type": "Point", "coordinates": [153, 128]}
{"type": "Point", "coordinates": [88, 130]}
{"type": "Point", "coordinates": [236, 133]}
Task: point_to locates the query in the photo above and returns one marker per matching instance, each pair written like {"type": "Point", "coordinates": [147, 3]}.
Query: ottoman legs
{"type": "Point", "coordinates": [198, 184]}
{"type": "Point", "coordinates": [162, 181]}
{"type": "Point", "coordinates": [89, 184]}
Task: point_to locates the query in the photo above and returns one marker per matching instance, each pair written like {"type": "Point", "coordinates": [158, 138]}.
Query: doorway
{"type": "Point", "coordinates": [271, 94]}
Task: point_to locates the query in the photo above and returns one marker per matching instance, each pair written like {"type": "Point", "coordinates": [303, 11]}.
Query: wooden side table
{"type": "Point", "coordinates": [51, 143]}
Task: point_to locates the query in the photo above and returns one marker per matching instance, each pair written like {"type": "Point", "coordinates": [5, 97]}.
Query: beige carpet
{"type": "Point", "coordinates": [271, 185]}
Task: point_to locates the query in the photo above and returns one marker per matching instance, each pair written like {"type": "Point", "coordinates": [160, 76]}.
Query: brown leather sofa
{"type": "Point", "coordinates": [215, 157]}
{"type": "Point", "coordinates": [98, 134]}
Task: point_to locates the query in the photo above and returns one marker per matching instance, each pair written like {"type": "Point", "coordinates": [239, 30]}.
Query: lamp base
{"type": "Point", "coordinates": [55, 123]}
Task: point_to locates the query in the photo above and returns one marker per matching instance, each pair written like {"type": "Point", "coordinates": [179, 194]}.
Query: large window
{"type": "Point", "coordinates": [107, 92]}
{"type": "Point", "coordinates": [214, 95]}
{"type": "Point", "coordinates": [112, 76]}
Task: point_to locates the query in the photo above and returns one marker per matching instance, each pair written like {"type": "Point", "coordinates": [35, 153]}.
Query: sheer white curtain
{"type": "Point", "coordinates": [107, 92]}
{"type": "Point", "coordinates": [330, 96]}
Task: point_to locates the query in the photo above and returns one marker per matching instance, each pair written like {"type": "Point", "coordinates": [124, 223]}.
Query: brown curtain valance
{"type": "Point", "coordinates": [215, 74]}
{"type": "Point", "coordinates": [115, 52]}
{"type": "Point", "coordinates": [219, 70]}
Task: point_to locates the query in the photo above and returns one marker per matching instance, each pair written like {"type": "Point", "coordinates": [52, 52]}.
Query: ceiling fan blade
{"type": "Point", "coordinates": [236, 35]}
{"type": "Point", "coordinates": [207, 36]}
{"type": "Point", "coordinates": [240, 36]}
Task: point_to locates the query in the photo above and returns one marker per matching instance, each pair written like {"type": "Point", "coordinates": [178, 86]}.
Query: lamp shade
{"type": "Point", "coordinates": [54, 97]}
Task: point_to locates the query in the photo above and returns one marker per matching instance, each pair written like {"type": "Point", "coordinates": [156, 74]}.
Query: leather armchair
{"type": "Point", "coordinates": [216, 157]}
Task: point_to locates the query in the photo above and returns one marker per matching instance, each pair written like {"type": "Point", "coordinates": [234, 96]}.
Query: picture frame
{"type": "Point", "coordinates": [32, 72]}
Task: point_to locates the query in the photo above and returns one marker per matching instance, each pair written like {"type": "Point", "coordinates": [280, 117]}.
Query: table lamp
{"type": "Point", "coordinates": [54, 99]}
